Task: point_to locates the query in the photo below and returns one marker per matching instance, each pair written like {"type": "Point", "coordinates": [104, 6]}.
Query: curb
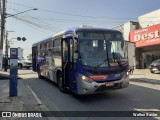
{"type": "Point", "coordinates": [2, 76]}
{"type": "Point", "coordinates": [6, 76]}
{"type": "Point", "coordinates": [150, 81]}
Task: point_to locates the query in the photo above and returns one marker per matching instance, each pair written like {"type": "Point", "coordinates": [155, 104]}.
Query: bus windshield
{"type": "Point", "coordinates": [101, 49]}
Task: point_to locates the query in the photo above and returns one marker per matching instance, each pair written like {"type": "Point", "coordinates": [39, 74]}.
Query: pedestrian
{"type": "Point", "coordinates": [131, 69]}
{"type": "Point", "coordinates": [5, 64]}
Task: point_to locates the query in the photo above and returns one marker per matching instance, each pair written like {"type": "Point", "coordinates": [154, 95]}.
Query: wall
{"type": "Point", "coordinates": [20, 52]}
{"type": "Point", "coordinates": [126, 28]}
{"type": "Point", "coordinates": [149, 19]}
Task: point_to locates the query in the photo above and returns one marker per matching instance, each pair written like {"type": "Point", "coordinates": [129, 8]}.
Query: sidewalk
{"type": "Point", "coordinates": [144, 75]}
{"type": "Point", "coordinates": [25, 101]}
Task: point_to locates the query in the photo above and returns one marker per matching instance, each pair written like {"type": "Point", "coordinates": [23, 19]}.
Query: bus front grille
{"type": "Point", "coordinates": [104, 87]}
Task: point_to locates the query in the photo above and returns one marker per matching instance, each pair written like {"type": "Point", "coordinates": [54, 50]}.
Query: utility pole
{"type": "Point", "coordinates": [3, 14]}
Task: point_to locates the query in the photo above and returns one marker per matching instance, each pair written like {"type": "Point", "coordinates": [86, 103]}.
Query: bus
{"type": "Point", "coordinates": [83, 60]}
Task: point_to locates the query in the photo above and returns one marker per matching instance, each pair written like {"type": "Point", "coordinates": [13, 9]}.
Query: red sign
{"type": "Point", "coordinates": [146, 36]}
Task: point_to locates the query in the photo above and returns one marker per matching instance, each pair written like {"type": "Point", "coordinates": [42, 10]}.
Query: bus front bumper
{"type": "Point", "coordinates": [94, 87]}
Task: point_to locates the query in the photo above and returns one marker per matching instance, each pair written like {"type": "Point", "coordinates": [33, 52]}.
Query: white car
{"type": "Point", "coordinates": [23, 63]}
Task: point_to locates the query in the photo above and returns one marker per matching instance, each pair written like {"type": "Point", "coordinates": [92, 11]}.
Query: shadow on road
{"type": "Point", "coordinates": [4, 77]}
{"type": "Point", "coordinates": [146, 80]}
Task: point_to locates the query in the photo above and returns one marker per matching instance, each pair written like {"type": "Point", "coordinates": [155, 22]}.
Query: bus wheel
{"type": "Point", "coordinates": [60, 83]}
{"type": "Point", "coordinates": [39, 73]}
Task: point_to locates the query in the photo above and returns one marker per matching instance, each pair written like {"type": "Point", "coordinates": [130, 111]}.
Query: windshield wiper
{"type": "Point", "coordinates": [104, 62]}
{"type": "Point", "coordinates": [117, 59]}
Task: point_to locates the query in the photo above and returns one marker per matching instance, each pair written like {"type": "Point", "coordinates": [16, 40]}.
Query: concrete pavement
{"type": "Point", "coordinates": [26, 100]}
{"type": "Point", "coordinates": [144, 75]}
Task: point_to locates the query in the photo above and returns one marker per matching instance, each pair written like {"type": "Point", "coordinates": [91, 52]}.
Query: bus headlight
{"type": "Point", "coordinates": [126, 75]}
{"type": "Point", "coordinates": [85, 78]}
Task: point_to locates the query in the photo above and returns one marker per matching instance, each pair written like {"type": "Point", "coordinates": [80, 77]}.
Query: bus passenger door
{"type": "Point", "coordinates": [65, 62]}
{"type": "Point", "coordinates": [68, 64]}
{"type": "Point", "coordinates": [34, 58]}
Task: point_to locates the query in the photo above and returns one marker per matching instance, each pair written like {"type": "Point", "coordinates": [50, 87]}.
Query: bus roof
{"type": "Point", "coordinates": [44, 40]}
{"type": "Point", "coordinates": [73, 31]}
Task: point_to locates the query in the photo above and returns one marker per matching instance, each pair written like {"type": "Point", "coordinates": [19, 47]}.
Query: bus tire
{"type": "Point", "coordinates": [60, 83]}
{"type": "Point", "coordinates": [39, 73]}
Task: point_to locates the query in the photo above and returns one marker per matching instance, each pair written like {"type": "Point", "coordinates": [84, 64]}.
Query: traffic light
{"type": "Point", "coordinates": [24, 39]}
{"type": "Point", "coordinates": [19, 38]}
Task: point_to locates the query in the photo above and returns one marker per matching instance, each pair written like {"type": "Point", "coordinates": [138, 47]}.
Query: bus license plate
{"type": "Point", "coordinates": [109, 84]}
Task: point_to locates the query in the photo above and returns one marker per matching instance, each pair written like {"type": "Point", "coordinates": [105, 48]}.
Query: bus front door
{"type": "Point", "coordinates": [67, 64]}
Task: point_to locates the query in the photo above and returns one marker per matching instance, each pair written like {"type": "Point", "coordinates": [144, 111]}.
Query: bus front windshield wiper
{"type": "Point", "coordinates": [117, 59]}
{"type": "Point", "coordinates": [103, 63]}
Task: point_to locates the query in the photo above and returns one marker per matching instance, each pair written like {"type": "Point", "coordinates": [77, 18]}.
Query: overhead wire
{"type": "Point", "coordinates": [36, 24]}
{"type": "Point", "coordinates": [72, 20]}
{"type": "Point", "coordinates": [45, 25]}
{"type": "Point", "coordinates": [30, 19]}
{"type": "Point", "coordinates": [75, 15]}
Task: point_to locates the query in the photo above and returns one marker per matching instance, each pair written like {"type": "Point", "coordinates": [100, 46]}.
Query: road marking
{"type": "Point", "coordinates": [41, 105]}
{"type": "Point", "coordinates": [155, 87]}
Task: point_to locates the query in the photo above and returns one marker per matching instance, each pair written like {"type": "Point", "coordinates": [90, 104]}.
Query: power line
{"type": "Point", "coordinates": [71, 20]}
{"type": "Point", "coordinates": [70, 14]}
{"type": "Point", "coordinates": [42, 26]}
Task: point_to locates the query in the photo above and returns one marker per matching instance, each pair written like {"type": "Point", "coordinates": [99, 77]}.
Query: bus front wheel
{"type": "Point", "coordinates": [39, 73]}
{"type": "Point", "coordinates": [60, 83]}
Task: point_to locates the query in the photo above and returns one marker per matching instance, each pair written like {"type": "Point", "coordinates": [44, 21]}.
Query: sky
{"type": "Point", "coordinates": [54, 16]}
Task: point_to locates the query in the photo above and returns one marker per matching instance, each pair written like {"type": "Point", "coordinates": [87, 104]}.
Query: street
{"type": "Point", "coordinates": [138, 96]}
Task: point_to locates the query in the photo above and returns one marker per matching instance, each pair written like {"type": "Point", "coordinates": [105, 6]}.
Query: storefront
{"type": "Point", "coordinates": [147, 42]}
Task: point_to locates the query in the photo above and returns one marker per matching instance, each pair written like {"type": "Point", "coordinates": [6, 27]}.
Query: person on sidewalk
{"type": "Point", "coordinates": [131, 69]}
{"type": "Point", "coordinates": [5, 64]}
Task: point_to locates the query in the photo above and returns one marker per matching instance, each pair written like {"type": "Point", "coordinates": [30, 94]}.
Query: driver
{"type": "Point", "coordinates": [87, 50]}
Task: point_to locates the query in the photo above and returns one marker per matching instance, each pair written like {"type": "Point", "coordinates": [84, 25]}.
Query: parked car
{"type": "Point", "coordinates": [23, 63]}
{"type": "Point", "coordinates": [155, 66]}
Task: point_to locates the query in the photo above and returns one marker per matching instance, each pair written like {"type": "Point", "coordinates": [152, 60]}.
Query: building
{"type": "Point", "coordinates": [149, 19]}
{"type": "Point", "coordinates": [125, 28]}
{"type": "Point", "coordinates": [146, 35]}
{"type": "Point", "coordinates": [29, 57]}
{"type": "Point", "coordinates": [147, 39]}
{"type": "Point", "coordinates": [20, 52]}
{"type": "Point", "coordinates": [147, 42]}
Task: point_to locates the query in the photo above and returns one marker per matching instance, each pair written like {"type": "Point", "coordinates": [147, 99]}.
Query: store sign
{"type": "Point", "coordinates": [146, 36]}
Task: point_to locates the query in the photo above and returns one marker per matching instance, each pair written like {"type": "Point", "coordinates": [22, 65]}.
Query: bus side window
{"type": "Point", "coordinates": [57, 47]}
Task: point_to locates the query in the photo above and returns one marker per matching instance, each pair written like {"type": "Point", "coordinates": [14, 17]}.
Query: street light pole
{"type": "Point", "coordinates": [22, 12]}
{"type": "Point", "coordinates": [3, 16]}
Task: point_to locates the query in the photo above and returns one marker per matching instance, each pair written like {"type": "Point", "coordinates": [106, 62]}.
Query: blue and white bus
{"type": "Point", "coordinates": [83, 60]}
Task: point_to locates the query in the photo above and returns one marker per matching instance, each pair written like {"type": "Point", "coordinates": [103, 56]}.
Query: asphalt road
{"type": "Point", "coordinates": [138, 96]}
